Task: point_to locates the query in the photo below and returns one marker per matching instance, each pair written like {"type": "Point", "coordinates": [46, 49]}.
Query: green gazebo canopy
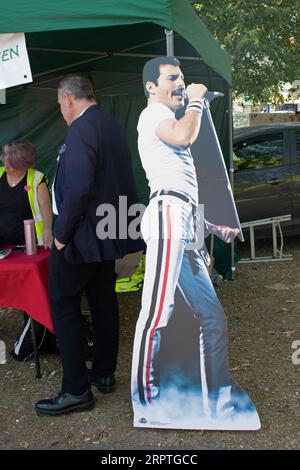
{"type": "Point", "coordinates": [109, 40]}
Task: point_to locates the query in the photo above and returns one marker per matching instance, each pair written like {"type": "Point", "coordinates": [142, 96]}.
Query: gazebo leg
{"type": "Point", "coordinates": [35, 350]}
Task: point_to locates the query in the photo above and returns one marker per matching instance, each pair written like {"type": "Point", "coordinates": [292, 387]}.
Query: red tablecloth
{"type": "Point", "coordinates": [24, 285]}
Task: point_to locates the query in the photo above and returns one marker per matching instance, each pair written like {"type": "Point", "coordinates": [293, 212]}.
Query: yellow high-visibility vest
{"type": "Point", "coordinates": [34, 177]}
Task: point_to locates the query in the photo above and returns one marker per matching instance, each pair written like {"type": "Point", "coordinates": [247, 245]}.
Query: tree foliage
{"type": "Point", "coordinates": [263, 39]}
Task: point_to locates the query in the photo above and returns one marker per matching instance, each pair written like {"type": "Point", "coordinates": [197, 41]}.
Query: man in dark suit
{"type": "Point", "coordinates": [94, 169]}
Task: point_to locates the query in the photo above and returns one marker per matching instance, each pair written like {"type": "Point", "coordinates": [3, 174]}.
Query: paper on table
{"type": "Point", "coordinates": [4, 253]}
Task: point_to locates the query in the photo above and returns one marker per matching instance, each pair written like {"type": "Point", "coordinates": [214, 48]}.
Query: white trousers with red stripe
{"type": "Point", "coordinates": [168, 227]}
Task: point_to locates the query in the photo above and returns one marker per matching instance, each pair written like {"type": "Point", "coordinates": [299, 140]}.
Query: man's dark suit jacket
{"type": "Point", "coordinates": [94, 168]}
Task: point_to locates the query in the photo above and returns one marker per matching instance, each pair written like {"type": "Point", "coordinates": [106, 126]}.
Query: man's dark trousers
{"type": "Point", "coordinates": [66, 284]}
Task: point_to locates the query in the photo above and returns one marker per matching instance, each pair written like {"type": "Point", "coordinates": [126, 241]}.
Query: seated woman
{"type": "Point", "coordinates": [23, 195]}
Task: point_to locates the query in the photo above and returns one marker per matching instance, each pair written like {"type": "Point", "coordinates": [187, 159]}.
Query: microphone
{"type": "Point", "coordinates": [185, 97]}
{"type": "Point", "coordinates": [209, 96]}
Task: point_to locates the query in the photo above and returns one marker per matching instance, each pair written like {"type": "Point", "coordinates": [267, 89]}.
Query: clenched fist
{"type": "Point", "coordinates": [195, 90]}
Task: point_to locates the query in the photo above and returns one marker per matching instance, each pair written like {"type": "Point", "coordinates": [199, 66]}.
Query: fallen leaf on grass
{"type": "Point", "coordinates": [100, 433]}
{"type": "Point", "coordinates": [288, 334]}
{"type": "Point", "coordinates": [24, 445]}
{"type": "Point", "coordinates": [241, 366]}
{"type": "Point", "coordinates": [161, 444]}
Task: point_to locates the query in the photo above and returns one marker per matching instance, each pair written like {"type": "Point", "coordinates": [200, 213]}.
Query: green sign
{"type": "Point", "coordinates": [9, 54]}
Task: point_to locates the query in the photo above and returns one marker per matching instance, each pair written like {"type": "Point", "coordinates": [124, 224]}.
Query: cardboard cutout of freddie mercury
{"type": "Point", "coordinates": [180, 376]}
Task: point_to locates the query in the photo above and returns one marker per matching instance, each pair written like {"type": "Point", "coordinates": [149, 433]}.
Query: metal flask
{"type": "Point", "coordinates": [30, 240]}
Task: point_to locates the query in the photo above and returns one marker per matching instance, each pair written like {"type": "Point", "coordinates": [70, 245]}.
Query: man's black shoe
{"type": "Point", "coordinates": [66, 402]}
{"type": "Point", "coordinates": [104, 384]}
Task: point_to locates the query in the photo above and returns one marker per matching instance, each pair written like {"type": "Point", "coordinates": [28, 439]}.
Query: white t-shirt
{"type": "Point", "coordinates": [166, 167]}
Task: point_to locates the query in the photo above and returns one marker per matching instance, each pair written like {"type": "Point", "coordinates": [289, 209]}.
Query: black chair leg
{"type": "Point", "coordinates": [35, 350]}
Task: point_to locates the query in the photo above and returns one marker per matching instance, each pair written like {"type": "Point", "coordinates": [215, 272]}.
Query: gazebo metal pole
{"type": "Point", "coordinates": [169, 42]}
{"type": "Point", "coordinates": [38, 374]}
{"type": "Point", "coordinates": [104, 56]}
{"type": "Point", "coordinates": [231, 171]}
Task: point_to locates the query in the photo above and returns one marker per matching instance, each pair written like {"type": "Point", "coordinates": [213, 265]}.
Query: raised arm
{"type": "Point", "coordinates": [183, 132]}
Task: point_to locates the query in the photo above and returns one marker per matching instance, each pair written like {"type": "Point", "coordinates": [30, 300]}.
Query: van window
{"type": "Point", "coordinates": [263, 151]}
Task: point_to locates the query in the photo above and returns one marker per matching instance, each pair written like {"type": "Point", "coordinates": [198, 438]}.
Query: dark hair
{"type": "Point", "coordinates": [79, 87]}
{"type": "Point", "coordinates": [19, 154]}
{"type": "Point", "coordinates": [151, 70]}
